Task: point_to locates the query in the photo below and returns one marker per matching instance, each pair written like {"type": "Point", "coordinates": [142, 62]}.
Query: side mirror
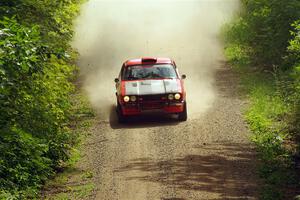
{"type": "Point", "coordinates": [183, 76]}
{"type": "Point", "coordinates": [117, 80]}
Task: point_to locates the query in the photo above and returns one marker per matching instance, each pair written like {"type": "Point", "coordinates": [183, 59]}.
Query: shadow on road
{"type": "Point", "coordinates": [225, 171]}
{"type": "Point", "coordinates": [143, 121]}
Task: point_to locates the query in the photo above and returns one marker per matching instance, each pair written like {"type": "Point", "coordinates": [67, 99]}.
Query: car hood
{"type": "Point", "coordinates": [148, 87]}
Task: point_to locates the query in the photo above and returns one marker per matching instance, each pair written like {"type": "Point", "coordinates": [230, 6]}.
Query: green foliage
{"type": "Point", "coordinates": [35, 89]}
{"type": "Point", "coordinates": [19, 174]}
{"type": "Point", "coordinates": [294, 96]}
{"type": "Point", "coordinates": [294, 44]}
{"type": "Point", "coordinates": [264, 45]}
{"type": "Point", "coordinates": [237, 55]}
{"type": "Point", "coordinates": [53, 16]}
{"type": "Point", "coordinates": [270, 132]}
{"type": "Point", "coordinates": [83, 120]}
{"type": "Point", "coordinates": [263, 30]}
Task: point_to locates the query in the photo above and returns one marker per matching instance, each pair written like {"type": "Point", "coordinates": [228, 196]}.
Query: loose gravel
{"type": "Point", "coordinates": [209, 157]}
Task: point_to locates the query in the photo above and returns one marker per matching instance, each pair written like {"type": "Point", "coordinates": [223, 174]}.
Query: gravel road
{"type": "Point", "coordinates": [209, 157]}
{"type": "Point", "coordinates": [205, 158]}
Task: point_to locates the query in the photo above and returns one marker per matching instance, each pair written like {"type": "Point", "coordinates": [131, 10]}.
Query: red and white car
{"type": "Point", "coordinates": [150, 84]}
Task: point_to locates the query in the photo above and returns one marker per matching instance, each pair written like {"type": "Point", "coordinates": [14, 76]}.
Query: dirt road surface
{"type": "Point", "coordinates": [209, 157]}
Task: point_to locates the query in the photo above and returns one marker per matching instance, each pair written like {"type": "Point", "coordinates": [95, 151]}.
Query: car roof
{"type": "Point", "coordinates": [148, 60]}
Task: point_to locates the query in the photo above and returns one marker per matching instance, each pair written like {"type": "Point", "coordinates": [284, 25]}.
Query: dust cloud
{"type": "Point", "coordinates": [108, 32]}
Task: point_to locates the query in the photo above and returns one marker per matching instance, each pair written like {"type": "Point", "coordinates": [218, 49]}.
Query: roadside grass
{"type": "Point", "coordinates": [266, 115]}
{"type": "Point", "coordinates": [70, 182]}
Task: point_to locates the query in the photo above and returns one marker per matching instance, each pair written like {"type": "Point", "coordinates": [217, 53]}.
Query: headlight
{"type": "Point", "coordinates": [170, 96]}
{"type": "Point", "coordinates": [177, 96]}
{"type": "Point", "coordinates": [133, 98]}
{"type": "Point", "coordinates": [126, 98]}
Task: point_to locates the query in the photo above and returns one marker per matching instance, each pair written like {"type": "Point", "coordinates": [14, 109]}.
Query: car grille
{"type": "Point", "coordinates": [158, 97]}
{"type": "Point", "coordinates": [152, 101]}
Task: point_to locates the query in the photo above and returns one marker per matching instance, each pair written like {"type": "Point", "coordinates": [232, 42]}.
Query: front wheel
{"type": "Point", "coordinates": [121, 117]}
{"type": "Point", "coordinates": [183, 115]}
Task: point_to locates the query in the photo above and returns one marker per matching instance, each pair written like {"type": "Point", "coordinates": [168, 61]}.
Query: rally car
{"type": "Point", "coordinates": [150, 84]}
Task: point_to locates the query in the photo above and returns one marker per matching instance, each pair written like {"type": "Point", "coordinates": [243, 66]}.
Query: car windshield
{"type": "Point", "coordinates": [149, 72]}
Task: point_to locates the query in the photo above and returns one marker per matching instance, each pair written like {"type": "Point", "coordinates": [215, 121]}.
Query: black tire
{"type": "Point", "coordinates": [121, 117]}
{"type": "Point", "coordinates": [183, 115]}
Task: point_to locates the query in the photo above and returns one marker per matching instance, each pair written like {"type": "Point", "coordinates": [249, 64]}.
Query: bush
{"type": "Point", "coordinates": [264, 44]}
{"type": "Point", "coordinates": [35, 73]}
{"type": "Point", "coordinates": [263, 29]}
{"type": "Point", "coordinates": [294, 83]}
{"type": "Point", "coordinates": [23, 161]}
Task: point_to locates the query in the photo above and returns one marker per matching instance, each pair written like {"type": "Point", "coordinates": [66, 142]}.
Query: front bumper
{"type": "Point", "coordinates": [138, 109]}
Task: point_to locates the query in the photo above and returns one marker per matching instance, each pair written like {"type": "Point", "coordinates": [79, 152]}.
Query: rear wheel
{"type": "Point", "coordinates": [183, 115]}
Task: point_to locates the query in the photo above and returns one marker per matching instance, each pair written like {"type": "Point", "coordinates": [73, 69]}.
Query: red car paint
{"type": "Point", "coordinates": [150, 101]}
